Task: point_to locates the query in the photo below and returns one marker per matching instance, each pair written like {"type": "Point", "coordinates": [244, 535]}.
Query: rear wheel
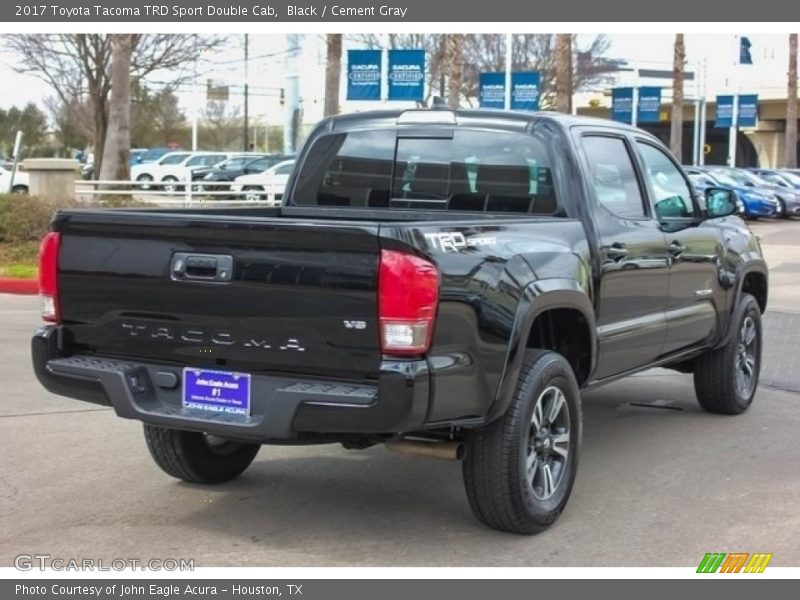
{"type": "Point", "coordinates": [519, 470]}
{"type": "Point", "coordinates": [198, 457]}
{"type": "Point", "coordinates": [725, 379]}
{"type": "Point", "coordinates": [19, 189]}
{"type": "Point", "coordinates": [170, 184]}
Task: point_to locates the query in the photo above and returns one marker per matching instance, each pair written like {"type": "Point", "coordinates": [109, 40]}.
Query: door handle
{"type": "Point", "coordinates": [212, 268]}
{"type": "Point", "coordinates": [616, 251]}
{"type": "Point", "coordinates": [676, 248]}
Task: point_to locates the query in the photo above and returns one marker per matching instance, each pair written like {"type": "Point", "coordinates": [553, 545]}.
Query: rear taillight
{"type": "Point", "coordinates": [408, 292]}
{"type": "Point", "coordinates": [48, 276]}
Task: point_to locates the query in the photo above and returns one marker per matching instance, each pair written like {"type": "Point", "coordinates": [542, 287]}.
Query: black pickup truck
{"type": "Point", "coordinates": [441, 282]}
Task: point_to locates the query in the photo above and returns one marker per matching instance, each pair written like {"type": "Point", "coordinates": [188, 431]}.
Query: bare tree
{"type": "Point", "coordinates": [77, 66]}
{"type": "Point", "coordinates": [117, 146]}
{"type": "Point", "coordinates": [221, 125]}
{"type": "Point", "coordinates": [790, 155]}
{"type": "Point", "coordinates": [333, 73]}
{"type": "Point", "coordinates": [564, 72]}
{"type": "Point", "coordinates": [676, 123]}
{"type": "Point", "coordinates": [454, 47]}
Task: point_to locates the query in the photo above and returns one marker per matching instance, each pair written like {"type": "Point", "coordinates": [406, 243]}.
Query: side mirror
{"type": "Point", "coordinates": [720, 203]}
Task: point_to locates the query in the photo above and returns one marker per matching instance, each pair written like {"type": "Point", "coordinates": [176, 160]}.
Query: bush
{"type": "Point", "coordinates": [120, 202]}
{"type": "Point", "coordinates": [26, 218]}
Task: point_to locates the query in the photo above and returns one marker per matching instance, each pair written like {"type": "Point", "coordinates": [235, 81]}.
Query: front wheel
{"type": "Point", "coordinates": [198, 457]}
{"type": "Point", "coordinates": [725, 379]}
{"type": "Point", "coordinates": [144, 181]}
{"type": "Point", "coordinates": [784, 214]}
{"type": "Point", "coordinates": [519, 470]}
{"type": "Point", "coordinates": [19, 189]}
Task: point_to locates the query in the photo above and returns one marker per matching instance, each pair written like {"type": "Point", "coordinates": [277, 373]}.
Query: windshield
{"type": "Point", "coordinates": [702, 179]}
{"type": "Point", "coordinates": [729, 177]}
{"type": "Point", "coordinates": [790, 177]}
{"type": "Point", "coordinates": [236, 163]}
{"type": "Point", "coordinates": [744, 177]}
{"type": "Point", "coordinates": [173, 159]}
{"type": "Point", "coordinates": [756, 179]}
{"type": "Point", "coordinates": [154, 154]}
{"type": "Point", "coordinates": [262, 164]}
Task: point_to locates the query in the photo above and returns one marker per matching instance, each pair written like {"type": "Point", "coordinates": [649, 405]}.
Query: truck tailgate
{"type": "Point", "coordinates": [298, 297]}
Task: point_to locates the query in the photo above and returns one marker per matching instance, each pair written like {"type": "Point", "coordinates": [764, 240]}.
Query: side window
{"type": "Point", "coordinates": [613, 177]}
{"type": "Point", "coordinates": [673, 197]}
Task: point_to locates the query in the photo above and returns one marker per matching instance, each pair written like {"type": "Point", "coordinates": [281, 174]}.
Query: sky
{"type": "Point", "coordinates": [712, 54]}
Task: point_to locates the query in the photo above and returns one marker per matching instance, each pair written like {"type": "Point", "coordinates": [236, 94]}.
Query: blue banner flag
{"type": "Point", "coordinates": [622, 104]}
{"type": "Point", "coordinates": [724, 112]}
{"type": "Point", "coordinates": [649, 105]}
{"type": "Point", "coordinates": [745, 57]}
{"type": "Point", "coordinates": [492, 90]}
{"type": "Point", "coordinates": [748, 110]}
{"type": "Point", "coordinates": [406, 75]}
{"type": "Point", "coordinates": [525, 91]}
{"type": "Point", "coordinates": [363, 74]}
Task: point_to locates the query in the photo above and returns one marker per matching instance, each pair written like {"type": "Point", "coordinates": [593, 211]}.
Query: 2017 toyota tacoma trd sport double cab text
{"type": "Point", "coordinates": [441, 282]}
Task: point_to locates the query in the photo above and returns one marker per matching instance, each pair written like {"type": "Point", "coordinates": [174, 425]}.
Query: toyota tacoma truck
{"type": "Point", "coordinates": [442, 282]}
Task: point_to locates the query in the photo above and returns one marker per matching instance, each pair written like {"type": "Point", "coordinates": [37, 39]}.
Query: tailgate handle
{"type": "Point", "coordinates": [213, 268]}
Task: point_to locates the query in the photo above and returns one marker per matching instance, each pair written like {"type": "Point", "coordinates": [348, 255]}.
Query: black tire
{"type": "Point", "coordinates": [19, 189]}
{"type": "Point", "coordinates": [170, 184]}
{"type": "Point", "coordinates": [144, 181]}
{"type": "Point", "coordinates": [716, 384]}
{"type": "Point", "coordinates": [196, 457]}
{"type": "Point", "coordinates": [498, 457]}
{"type": "Point", "coordinates": [252, 193]}
{"type": "Point", "coordinates": [784, 214]}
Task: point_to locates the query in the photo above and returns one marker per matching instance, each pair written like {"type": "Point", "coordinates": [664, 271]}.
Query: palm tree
{"type": "Point", "coordinates": [676, 123]}
{"type": "Point", "coordinates": [791, 106]}
{"type": "Point", "coordinates": [333, 73]}
{"type": "Point", "coordinates": [564, 72]}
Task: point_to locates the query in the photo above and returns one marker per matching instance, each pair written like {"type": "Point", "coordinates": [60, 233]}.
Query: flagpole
{"type": "Point", "coordinates": [733, 129]}
{"type": "Point", "coordinates": [509, 66]}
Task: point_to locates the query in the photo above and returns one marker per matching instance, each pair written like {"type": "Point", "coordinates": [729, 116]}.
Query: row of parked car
{"type": "Point", "coordinates": [252, 175]}
{"type": "Point", "coordinates": [769, 193]}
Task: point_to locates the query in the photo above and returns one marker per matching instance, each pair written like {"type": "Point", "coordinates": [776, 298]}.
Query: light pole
{"type": "Point", "coordinates": [246, 94]}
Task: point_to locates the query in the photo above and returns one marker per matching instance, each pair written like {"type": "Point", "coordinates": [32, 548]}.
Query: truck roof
{"type": "Point", "coordinates": [503, 119]}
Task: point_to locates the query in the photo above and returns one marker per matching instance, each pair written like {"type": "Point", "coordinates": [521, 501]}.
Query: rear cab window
{"type": "Point", "coordinates": [457, 169]}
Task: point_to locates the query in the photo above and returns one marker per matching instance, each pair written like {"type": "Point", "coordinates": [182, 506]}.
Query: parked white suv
{"type": "Point", "coordinates": [21, 181]}
{"type": "Point", "coordinates": [268, 184]}
{"type": "Point", "coordinates": [174, 168]}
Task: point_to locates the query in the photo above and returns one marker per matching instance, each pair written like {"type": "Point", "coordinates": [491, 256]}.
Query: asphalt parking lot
{"type": "Point", "coordinates": [658, 485]}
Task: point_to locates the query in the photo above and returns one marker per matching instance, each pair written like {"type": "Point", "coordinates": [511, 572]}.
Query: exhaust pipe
{"type": "Point", "coordinates": [441, 450]}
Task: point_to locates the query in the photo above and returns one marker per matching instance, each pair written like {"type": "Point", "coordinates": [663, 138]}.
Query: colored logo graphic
{"type": "Point", "coordinates": [735, 562]}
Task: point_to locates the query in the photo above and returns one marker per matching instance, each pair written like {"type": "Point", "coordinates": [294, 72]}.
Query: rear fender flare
{"type": "Point", "coordinates": [538, 297]}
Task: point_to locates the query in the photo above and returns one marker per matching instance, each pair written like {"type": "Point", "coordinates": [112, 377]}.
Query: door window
{"type": "Point", "coordinates": [672, 195]}
{"type": "Point", "coordinates": [613, 177]}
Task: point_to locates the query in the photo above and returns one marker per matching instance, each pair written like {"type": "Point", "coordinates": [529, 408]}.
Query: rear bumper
{"type": "Point", "coordinates": [282, 407]}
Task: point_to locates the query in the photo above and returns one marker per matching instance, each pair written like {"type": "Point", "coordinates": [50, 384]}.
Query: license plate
{"type": "Point", "coordinates": [216, 391]}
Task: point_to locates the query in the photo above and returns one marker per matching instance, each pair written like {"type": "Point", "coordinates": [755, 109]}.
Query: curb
{"type": "Point", "coordinates": [9, 285]}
